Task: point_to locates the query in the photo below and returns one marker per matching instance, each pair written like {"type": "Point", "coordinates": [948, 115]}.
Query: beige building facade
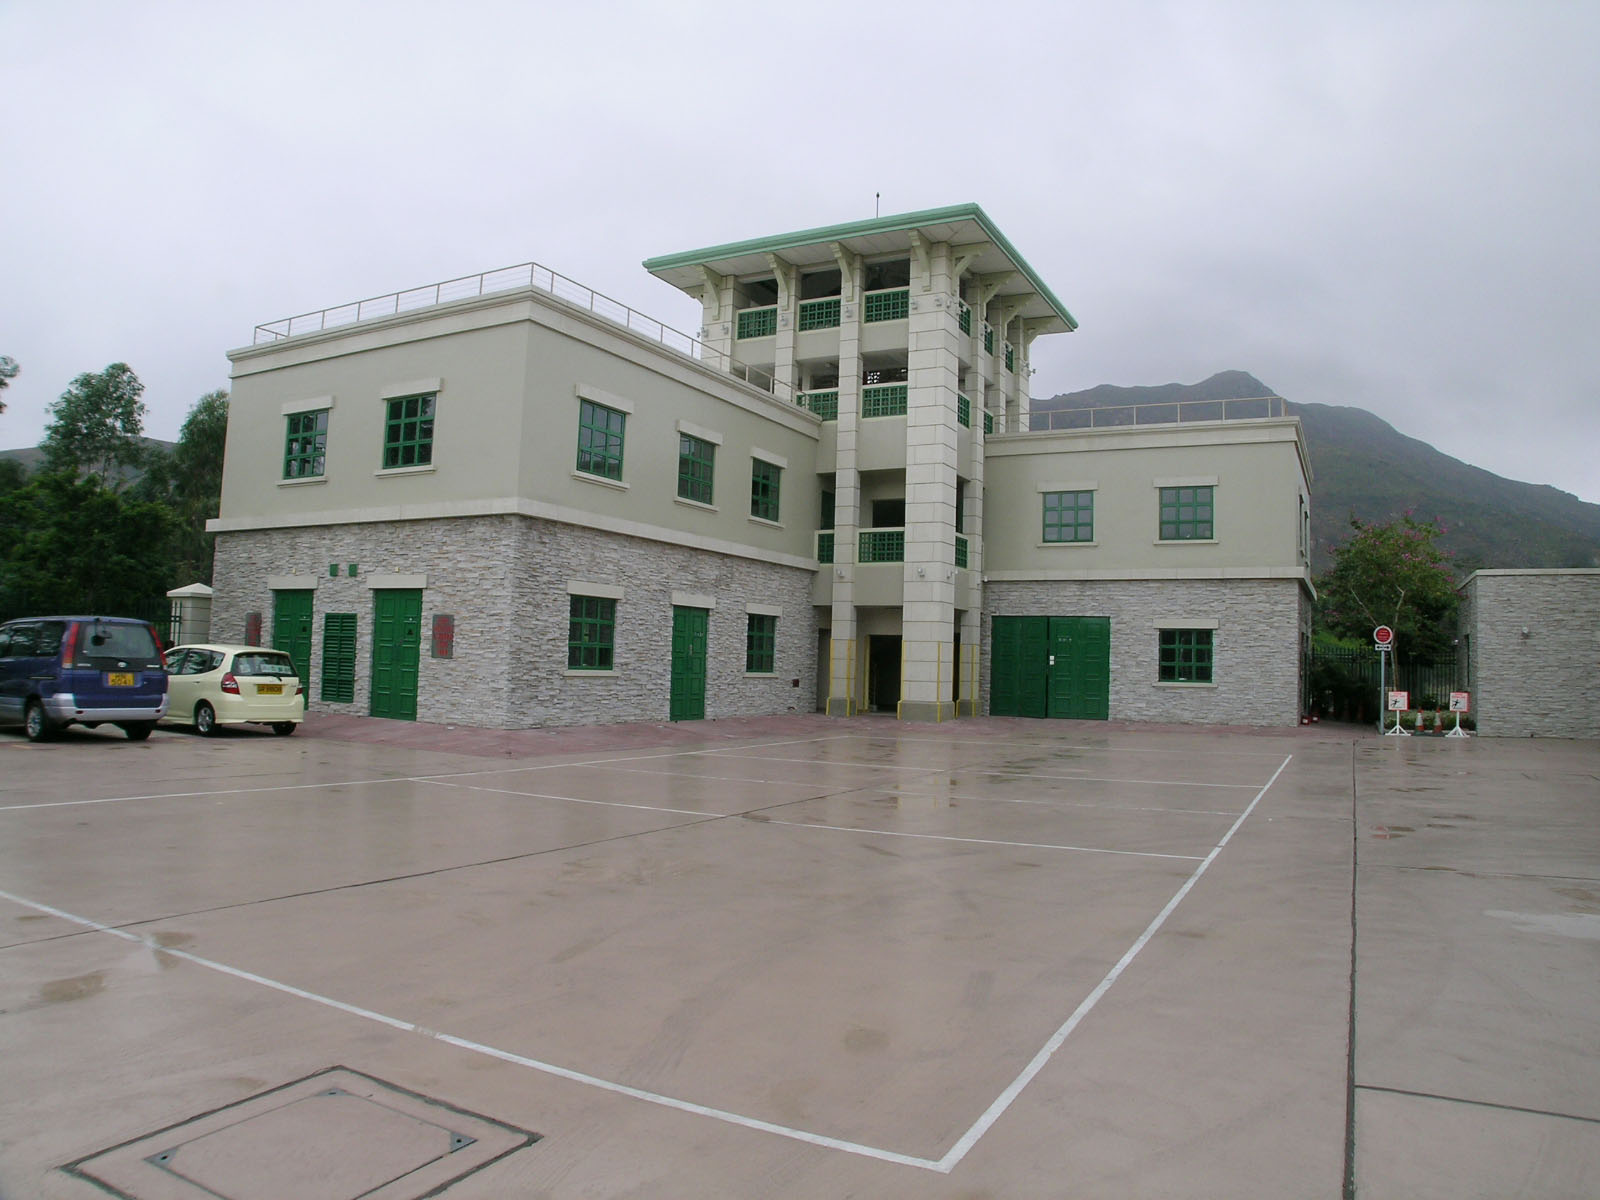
{"type": "Point", "coordinates": [507, 501]}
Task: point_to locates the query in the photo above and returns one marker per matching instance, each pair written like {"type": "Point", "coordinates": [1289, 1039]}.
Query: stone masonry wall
{"type": "Point", "coordinates": [504, 579]}
{"type": "Point", "coordinates": [1256, 646]}
{"type": "Point", "coordinates": [1548, 683]}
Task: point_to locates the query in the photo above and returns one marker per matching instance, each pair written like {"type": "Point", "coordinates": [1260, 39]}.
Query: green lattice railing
{"type": "Point", "coordinates": [819, 314]}
{"type": "Point", "coordinates": [758, 322]}
{"type": "Point", "coordinates": [882, 546]}
{"type": "Point", "coordinates": [891, 305]}
{"type": "Point", "coordinates": [988, 338]}
{"type": "Point", "coordinates": [884, 400]}
{"type": "Point", "coordinates": [961, 552]}
{"type": "Point", "coordinates": [965, 319]}
{"type": "Point", "coordinates": [963, 411]}
{"type": "Point", "coordinates": [825, 546]}
{"type": "Point", "coordinates": [1011, 357]}
{"type": "Point", "coordinates": [988, 423]}
{"type": "Point", "coordinates": [824, 404]}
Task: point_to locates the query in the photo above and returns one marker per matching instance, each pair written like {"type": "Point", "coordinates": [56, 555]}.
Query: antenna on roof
{"type": "Point", "coordinates": [876, 197]}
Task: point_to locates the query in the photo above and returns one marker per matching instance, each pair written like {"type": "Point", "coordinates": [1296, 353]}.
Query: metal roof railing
{"type": "Point", "coordinates": [511, 279]}
{"type": "Point", "coordinates": [1176, 412]}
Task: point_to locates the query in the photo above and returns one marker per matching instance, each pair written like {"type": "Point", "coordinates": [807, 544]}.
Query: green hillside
{"type": "Point", "coordinates": [1364, 467]}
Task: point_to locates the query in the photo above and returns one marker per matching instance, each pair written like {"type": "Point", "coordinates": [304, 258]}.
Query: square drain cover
{"type": "Point", "coordinates": [335, 1135]}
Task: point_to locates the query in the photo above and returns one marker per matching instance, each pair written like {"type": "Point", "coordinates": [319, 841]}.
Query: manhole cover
{"type": "Point", "coordinates": [335, 1135]}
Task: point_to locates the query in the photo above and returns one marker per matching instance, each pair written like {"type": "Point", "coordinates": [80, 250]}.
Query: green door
{"type": "Point", "coordinates": [688, 702]}
{"type": "Point", "coordinates": [396, 652]}
{"type": "Point", "coordinates": [1080, 668]}
{"type": "Point", "coordinates": [291, 630]}
{"type": "Point", "coordinates": [1050, 667]}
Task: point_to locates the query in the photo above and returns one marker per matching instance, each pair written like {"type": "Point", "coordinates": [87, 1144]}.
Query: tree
{"type": "Point", "coordinates": [1392, 574]}
{"type": "Point", "coordinates": [8, 372]}
{"type": "Point", "coordinates": [97, 425]}
{"type": "Point", "coordinates": [189, 482]}
{"type": "Point", "coordinates": [69, 544]}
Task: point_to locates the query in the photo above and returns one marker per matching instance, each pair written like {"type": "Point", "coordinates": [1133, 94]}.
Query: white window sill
{"type": "Point", "coordinates": [1178, 685]}
{"type": "Point", "coordinates": [761, 675]}
{"type": "Point", "coordinates": [601, 480]}
{"type": "Point", "coordinates": [1185, 542]}
{"type": "Point", "coordinates": [1064, 545]}
{"type": "Point", "coordinates": [302, 481]}
{"type": "Point", "coordinates": [766, 522]}
{"type": "Point", "coordinates": [688, 503]}
{"type": "Point", "coordinates": [387, 472]}
{"type": "Point", "coordinates": [570, 673]}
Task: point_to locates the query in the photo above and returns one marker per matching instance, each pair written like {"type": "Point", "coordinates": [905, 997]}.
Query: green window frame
{"type": "Point", "coordinates": [600, 437]}
{"type": "Point", "coordinates": [339, 658]}
{"type": "Point", "coordinates": [1186, 514]}
{"type": "Point", "coordinates": [1184, 656]}
{"type": "Point", "coordinates": [822, 313]}
{"type": "Point", "coordinates": [591, 633]}
{"type": "Point", "coordinates": [1069, 516]}
{"type": "Point", "coordinates": [305, 445]}
{"type": "Point", "coordinates": [696, 465]}
{"type": "Point", "coordinates": [760, 644]}
{"type": "Point", "coordinates": [765, 481]}
{"type": "Point", "coordinates": [408, 431]}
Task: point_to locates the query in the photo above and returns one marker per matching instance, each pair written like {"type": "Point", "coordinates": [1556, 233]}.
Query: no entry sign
{"type": "Point", "coordinates": [1383, 637]}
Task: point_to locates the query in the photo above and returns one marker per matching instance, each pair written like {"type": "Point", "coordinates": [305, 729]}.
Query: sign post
{"type": "Point", "coordinates": [1460, 702]}
{"type": "Point", "coordinates": [1383, 640]}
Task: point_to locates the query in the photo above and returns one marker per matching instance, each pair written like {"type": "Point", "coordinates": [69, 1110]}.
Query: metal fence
{"type": "Point", "coordinates": [1175, 412]}
{"type": "Point", "coordinates": [1343, 681]}
{"type": "Point", "coordinates": [158, 610]}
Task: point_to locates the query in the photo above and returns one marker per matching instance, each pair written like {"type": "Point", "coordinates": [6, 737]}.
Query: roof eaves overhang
{"type": "Point", "coordinates": [961, 224]}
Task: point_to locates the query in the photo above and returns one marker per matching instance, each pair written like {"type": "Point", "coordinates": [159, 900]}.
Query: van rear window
{"type": "Point", "coordinates": [100, 640]}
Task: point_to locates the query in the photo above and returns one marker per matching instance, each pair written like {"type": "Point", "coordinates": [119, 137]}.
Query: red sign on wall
{"type": "Point", "coordinates": [252, 629]}
{"type": "Point", "coordinates": [444, 635]}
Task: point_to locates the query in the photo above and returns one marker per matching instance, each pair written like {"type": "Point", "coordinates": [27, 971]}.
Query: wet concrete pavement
{"type": "Point", "coordinates": [798, 957]}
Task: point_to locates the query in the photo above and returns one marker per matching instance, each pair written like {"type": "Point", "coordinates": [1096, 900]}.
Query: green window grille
{"type": "Point", "coordinates": [305, 446]}
{"type": "Point", "coordinates": [764, 480]}
{"type": "Point", "coordinates": [884, 400]}
{"type": "Point", "coordinates": [988, 338]}
{"type": "Point", "coordinates": [760, 644]}
{"type": "Point", "coordinates": [964, 411]}
{"type": "Point", "coordinates": [758, 322]}
{"type": "Point", "coordinates": [1186, 514]}
{"type": "Point", "coordinates": [824, 404]}
{"type": "Point", "coordinates": [591, 633]}
{"type": "Point", "coordinates": [696, 462]}
{"type": "Point", "coordinates": [965, 319]}
{"type": "Point", "coordinates": [408, 432]}
{"type": "Point", "coordinates": [891, 305]}
{"type": "Point", "coordinates": [1011, 357]}
{"type": "Point", "coordinates": [824, 547]}
{"type": "Point", "coordinates": [882, 546]}
{"type": "Point", "coordinates": [819, 314]}
{"type": "Point", "coordinates": [1185, 656]}
{"type": "Point", "coordinates": [1069, 516]}
{"type": "Point", "coordinates": [600, 431]}
{"type": "Point", "coordinates": [988, 423]}
{"type": "Point", "coordinates": [339, 658]}
{"type": "Point", "coordinates": [961, 552]}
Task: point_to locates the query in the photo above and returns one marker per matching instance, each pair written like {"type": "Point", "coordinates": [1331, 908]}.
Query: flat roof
{"type": "Point", "coordinates": [963, 225]}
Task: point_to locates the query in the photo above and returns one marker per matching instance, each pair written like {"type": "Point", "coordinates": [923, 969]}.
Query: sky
{"type": "Point", "coordinates": [1391, 206]}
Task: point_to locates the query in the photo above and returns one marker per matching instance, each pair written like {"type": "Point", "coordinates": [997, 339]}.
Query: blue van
{"type": "Point", "coordinates": [58, 671]}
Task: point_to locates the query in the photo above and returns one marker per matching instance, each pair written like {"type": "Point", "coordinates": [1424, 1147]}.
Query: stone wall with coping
{"type": "Point", "coordinates": [505, 579]}
{"type": "Point", "coordinates": [1256, 647]}
{"type": "Point", "coordinates": [1545, 683]}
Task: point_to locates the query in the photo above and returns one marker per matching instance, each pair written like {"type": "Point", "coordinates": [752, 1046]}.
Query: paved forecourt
{"type": "Point", "coordinates": [790, 957]}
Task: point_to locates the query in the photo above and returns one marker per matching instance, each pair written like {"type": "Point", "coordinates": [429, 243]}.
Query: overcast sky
{"type": "Point", "coordinates": [1387, 205]}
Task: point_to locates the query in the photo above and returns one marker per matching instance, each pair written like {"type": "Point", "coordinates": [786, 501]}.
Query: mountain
{"type": "Point", "coordinates": [1366, 468]}
{"type": "Point", "coordinates": [32, 458]}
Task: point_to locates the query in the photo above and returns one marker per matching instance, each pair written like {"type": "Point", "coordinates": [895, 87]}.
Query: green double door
{"type": "Point", "coordinates": [396, 652]}
{"type": "Point", "coordinates": [689, 631]}
{"type": "Point", "coordinates": [1050, 667]}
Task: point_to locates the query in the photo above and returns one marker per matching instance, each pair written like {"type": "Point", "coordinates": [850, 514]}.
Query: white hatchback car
{"type": "Point", "coordinates": [209, 686]}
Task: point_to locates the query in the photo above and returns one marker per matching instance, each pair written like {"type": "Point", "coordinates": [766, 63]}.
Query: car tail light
{"type": "Point", "coordinates": [69, 649]}
{"type": "Point", "coordinates": [161, 647]}
{"type": "Point", "coordinates": [298, 687]}
{"type": "Point", "coordinates": [230, 684]}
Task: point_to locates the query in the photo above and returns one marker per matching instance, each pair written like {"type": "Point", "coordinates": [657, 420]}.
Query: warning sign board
{"type": "Point", "coordinates": [1460, 701]}
{"type": "Point", "coordinates": [1399, 701]}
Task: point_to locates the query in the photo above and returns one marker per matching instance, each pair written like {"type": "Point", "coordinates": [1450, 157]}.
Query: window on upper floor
{"type": "Point", "coordinates": [1068, 516]}
{"type": "Point", "coordinates": [1184, 656]}
{"type": "Point", "coordinates": [765, 478]}
{"type": "Point", "coordinates": [591, 633]}
{"type": "Point", "coordinates": [1186, 514]}
{"type": "Point", "coordinates": [408, 431]}
{"type": "Point", "coordinates": [600, 431]}
{"type": "Point", "coordinates": [305, 444]}
{"type": "Point", "coordinates": [760, 644]}
{"type": "Point", "coordinates": [696, 464]}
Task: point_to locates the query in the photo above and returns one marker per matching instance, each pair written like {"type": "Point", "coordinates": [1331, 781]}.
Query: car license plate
{"type": "Point", "coordinates": [269, 689]}
{"type": "Point", "coordinates": [119, 679]}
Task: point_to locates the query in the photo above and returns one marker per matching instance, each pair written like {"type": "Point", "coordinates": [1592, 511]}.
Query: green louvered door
{"type": "Point", "coordinates": [396, 652]}
{"type": "Point", "coordinates": [688, 700]}
{"type": "Point", "coordinates": [339, 658]}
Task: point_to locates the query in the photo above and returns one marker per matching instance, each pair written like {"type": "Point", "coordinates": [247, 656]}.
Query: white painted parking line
{"type": "Point", "coordinates": [1070, 747]}
{"type": "Point", "coordinates": [799, 783]}
{"type": "Point", "coordinates": [470, 787]}
{"type": "Point", "coordinates": [1058, 803]}
{"type": "Point", "coordinates": [1069, 778]}
{"type": "Point", "coordinates": [939, 837]}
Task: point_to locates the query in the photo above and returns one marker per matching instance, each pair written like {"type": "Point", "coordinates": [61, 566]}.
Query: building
{"type": "Point", "coordinates": [508, 501]}
{"type": "Point", "coordinates": [1530, 641]}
